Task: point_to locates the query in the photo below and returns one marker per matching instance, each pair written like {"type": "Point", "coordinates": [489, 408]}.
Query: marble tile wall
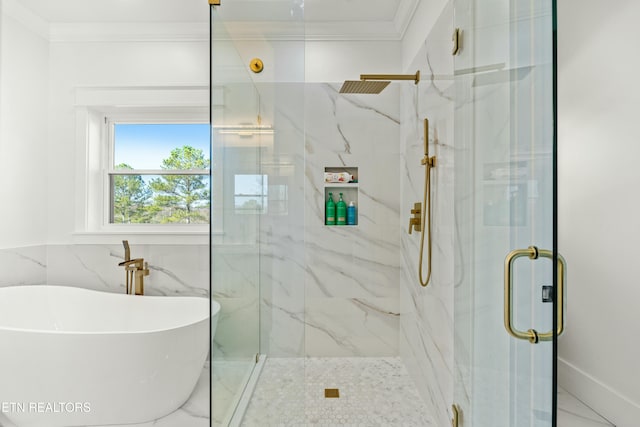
{"type": "Point", "coordinates": [426, 313]}
{"type": "Point", "coordinates": [352, 273]}
{"type": "Point", "coordinates": [23, 266]}
{"type": "Point", "coordinates": [282, 246]}
{"type": "Point", "coordinates": [235, 283]}
{"type": "Point", "coordinates": [174, 269]}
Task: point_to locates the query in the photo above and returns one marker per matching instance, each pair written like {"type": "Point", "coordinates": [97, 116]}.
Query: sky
{"type": "Point", "coordinates": [143, 146]}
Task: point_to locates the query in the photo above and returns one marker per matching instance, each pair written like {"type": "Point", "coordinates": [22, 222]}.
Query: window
{"type": "Point", "coordinates": [251, 194]}
{"type": "Point", "coordinates": [159, 173]}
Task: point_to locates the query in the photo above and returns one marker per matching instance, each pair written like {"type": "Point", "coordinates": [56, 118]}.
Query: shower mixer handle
{"type": "Point", "coordinates": [415, 223]}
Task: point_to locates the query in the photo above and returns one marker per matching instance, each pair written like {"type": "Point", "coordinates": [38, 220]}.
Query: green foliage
{"type": "Point", "coordinates": [130, 198]}
{"type": "Point", "coordinates": [169, 198]}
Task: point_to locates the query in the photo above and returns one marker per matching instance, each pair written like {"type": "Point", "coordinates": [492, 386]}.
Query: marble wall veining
{"type": "Point", "coordinates": [352, 273]}
{"type": "Point", "coordinates": [174, 269]}
{"type": "Point", "coordinates": [23, 266]}
{"type": "Point", "coordinates": [426, 313]}
{"type": "Point", "coordinates": [282, 247]}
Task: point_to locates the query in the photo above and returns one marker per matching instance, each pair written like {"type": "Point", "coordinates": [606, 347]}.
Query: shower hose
{"type": "Point", "coordinates": [426, 204]}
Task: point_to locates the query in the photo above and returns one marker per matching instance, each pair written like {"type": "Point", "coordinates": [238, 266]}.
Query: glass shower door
{"type": "Point", "coordinates": [505, 191]}
{"type": "Point", "coordinates": [258, 163]}
{"type": "Point", "coordinates": [237, 191]}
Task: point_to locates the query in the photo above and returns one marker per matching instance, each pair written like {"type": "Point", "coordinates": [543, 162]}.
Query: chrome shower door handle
{"type": "Point", "coordinates": [531, 335]}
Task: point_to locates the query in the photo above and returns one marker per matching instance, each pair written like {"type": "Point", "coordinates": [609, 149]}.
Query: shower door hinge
{"type": "Point", "coordinates": [457, 41]}
{"type": "Point", "coordinates": [456, 416]}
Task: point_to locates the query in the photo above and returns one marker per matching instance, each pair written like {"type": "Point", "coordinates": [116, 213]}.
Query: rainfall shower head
{"type": "Point", "coordinates": [374, 87]}
{"type": "Point", "coordinates": [363, 86]}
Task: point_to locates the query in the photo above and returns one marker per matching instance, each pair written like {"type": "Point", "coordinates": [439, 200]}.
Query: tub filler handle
{"type": "Point", "coordinates": [135, 271]}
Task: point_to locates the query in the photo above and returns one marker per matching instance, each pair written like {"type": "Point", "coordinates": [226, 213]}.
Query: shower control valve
{"type": "Point", "coordinates": [415, 223]}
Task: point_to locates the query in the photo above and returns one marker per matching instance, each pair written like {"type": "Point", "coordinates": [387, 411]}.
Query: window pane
{"type": "Point", "coordinates": [153, 146]}
{"type": "Point", "coordinates": [250, 193]}
{"type": "Point", "coordinates": [160, 199]}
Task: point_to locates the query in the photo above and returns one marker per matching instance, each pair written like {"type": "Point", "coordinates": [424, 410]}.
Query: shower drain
{"type": "Point", "coordinates": [331, 392]}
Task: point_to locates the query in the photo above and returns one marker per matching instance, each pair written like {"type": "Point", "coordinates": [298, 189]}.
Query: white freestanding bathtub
{"type": "Point", "coordinates": [71, 356]}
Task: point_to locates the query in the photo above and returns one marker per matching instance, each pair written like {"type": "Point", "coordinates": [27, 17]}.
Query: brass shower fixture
{"type": "Point", "coordinates": [417, 223]}
{"type": "Point", "coordinates": [364, 85]}
{"type": "Point", "coordinates": [256, 65]}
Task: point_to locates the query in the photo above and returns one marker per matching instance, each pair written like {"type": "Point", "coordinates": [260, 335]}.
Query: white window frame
{"type": "Point", "coordinates": [110, 171]}
{"type": "Point", "coordinates": [96, 108]}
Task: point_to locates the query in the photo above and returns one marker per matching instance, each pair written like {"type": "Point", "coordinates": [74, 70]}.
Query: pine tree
{"type": "Point", "coordinates": [182, 198]}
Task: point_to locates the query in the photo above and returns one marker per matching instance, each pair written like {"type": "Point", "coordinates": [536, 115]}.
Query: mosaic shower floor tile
{"type": "Point", "coordinates": [373, 392]}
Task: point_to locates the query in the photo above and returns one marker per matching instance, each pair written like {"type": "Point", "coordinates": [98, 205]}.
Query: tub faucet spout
{"type": "Point", "coordinates": [135, 270]}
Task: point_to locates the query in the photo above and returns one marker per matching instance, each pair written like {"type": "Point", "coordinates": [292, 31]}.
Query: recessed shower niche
{"type": "Point", "coordinates": [341, 180]}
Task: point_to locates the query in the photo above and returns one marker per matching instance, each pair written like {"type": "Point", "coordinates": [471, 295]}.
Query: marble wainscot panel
{"type": "Point", "coordinates": [352, 273]}
{"type": "Point", "coordinates": [426, 321]}
{"type": "Point", "coordinates": [174, 269]}
{"type": "Point", "coordinates": [23, 266]}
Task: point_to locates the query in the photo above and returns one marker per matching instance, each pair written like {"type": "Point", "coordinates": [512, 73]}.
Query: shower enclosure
{"type": "Point", "coordinates": [257, 118]}
{"type": "Point", "coordinates": [505, 201]}
{"type": "Point", "coordinates": [272, 257]}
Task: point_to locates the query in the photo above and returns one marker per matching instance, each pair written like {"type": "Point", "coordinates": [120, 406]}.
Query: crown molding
{"type": "Point", "coordinates": [129, 32]}
{"type": "Point", "coordinates": [310, 31]}
{"type": "Point", "coordinates": [199, 32]}
{"type": "Point", "coordinates": [391, 30]}
{"type": "Point", "coordinates": [404, 15]}
{"type": "Point", "coordinates": [13, 9]}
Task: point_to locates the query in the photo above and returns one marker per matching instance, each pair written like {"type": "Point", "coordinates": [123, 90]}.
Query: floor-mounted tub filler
{"type": "Point", "coordinates": [78, 357]}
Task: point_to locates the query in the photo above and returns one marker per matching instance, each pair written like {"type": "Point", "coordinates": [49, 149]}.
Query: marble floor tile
{"type": "Point", "coordinates": [574, 413]}
{"type": "Point", "coordinates": [373, 392]}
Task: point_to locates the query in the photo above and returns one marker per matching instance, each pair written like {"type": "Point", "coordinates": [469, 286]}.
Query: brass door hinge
{"type": "Point", "coordinates": [457, 41]}
{"type": "Point", "coordinates": [456, 416]}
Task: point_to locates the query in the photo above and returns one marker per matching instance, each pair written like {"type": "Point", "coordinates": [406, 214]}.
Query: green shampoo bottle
{"type": "Point", "coordinates": [330, 211]}
{"type": "Point", "coordinates": [341, 212]}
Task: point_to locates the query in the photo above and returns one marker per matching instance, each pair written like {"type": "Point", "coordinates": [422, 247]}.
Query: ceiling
{"type": "Point", "coordinates": [388, 18]}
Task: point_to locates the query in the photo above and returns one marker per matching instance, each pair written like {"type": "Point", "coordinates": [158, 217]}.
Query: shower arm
{"type": "Point", "coordinates": [429, 163]}
{"type": "Point", "coordinates": [415, 77]}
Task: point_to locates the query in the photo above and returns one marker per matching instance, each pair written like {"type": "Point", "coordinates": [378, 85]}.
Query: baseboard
{"type": "Point", "coordinates": [616, 408]}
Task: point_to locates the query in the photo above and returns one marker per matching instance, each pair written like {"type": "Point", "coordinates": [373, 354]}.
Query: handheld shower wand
{"type": "Point", "coordinates": [429, 163]}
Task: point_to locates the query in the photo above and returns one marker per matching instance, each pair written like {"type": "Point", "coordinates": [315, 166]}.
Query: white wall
{"type": "Point", "coordinates": [336, 61]}
{"type": "Point", "coordinates": [104, 64]}
{"type": "Point", "coordinates": [324, 61]}
{"type": "Point", "coordinates": [23, 128]}
{"type": "Point", "coordinates": [424, 18]}
{"type": "Point", "coordinates": [599, 94]}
